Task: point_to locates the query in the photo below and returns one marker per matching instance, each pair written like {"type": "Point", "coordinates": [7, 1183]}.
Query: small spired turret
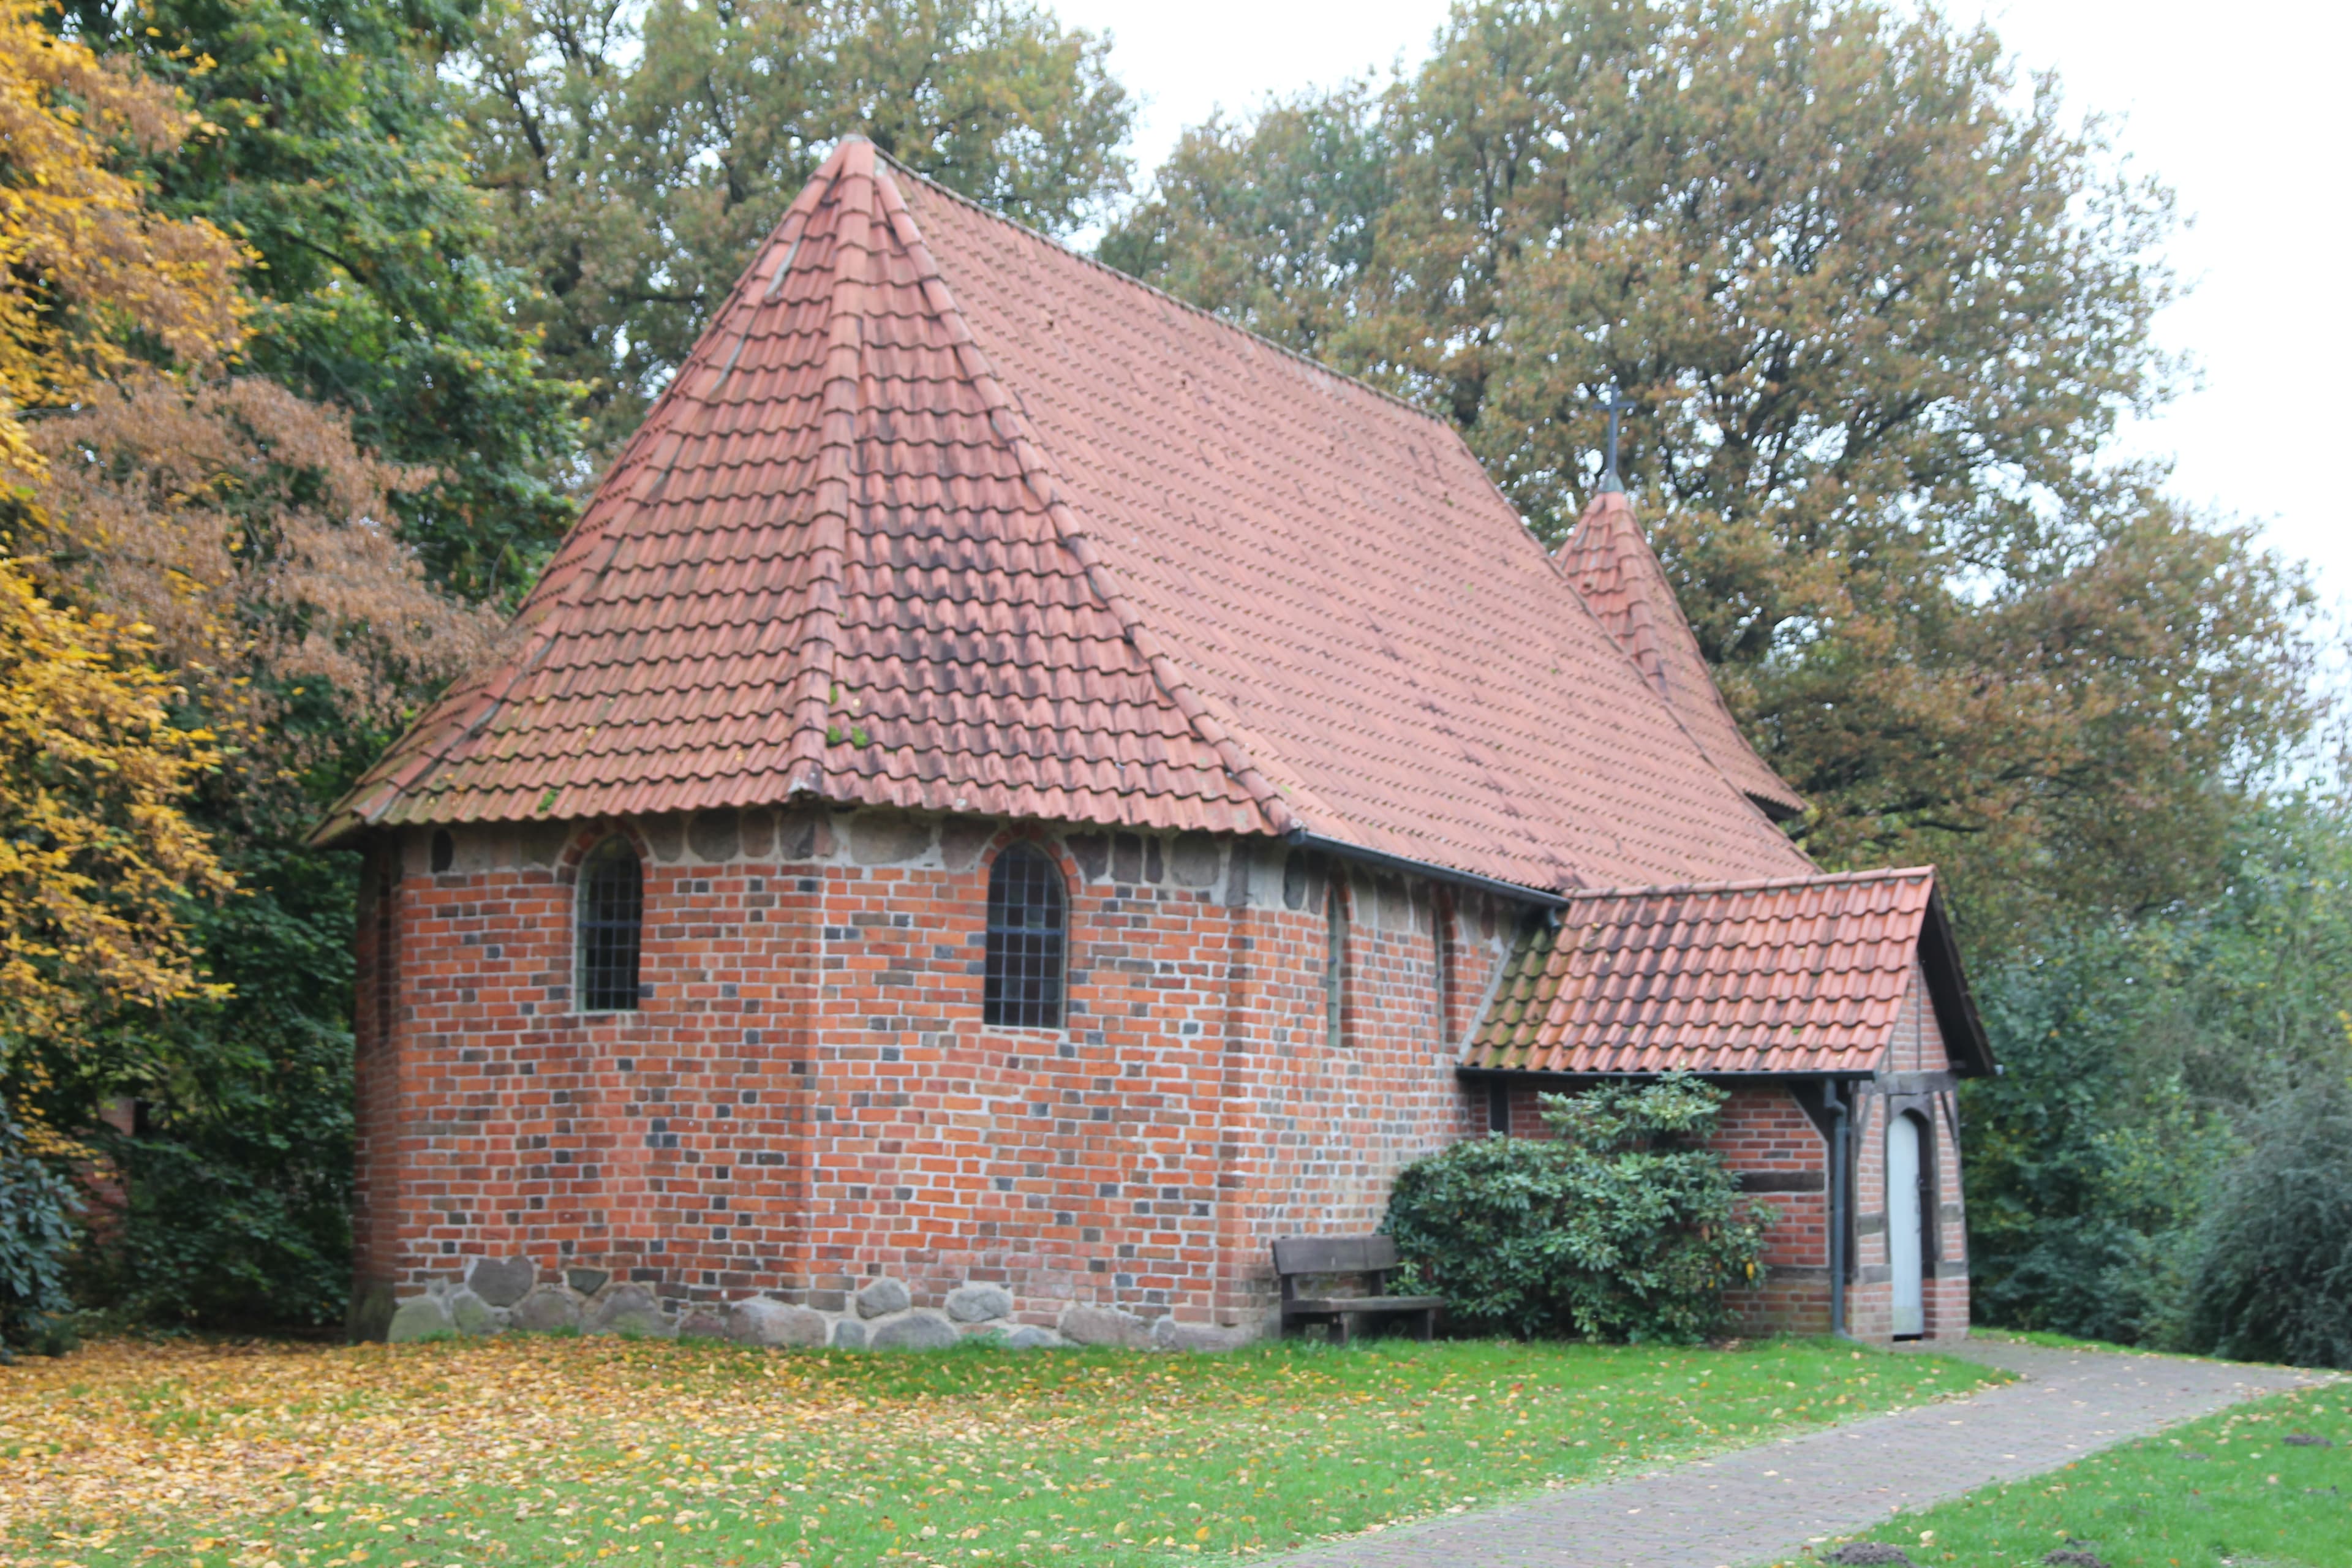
{"type": "Point", "coordinates": [1613, 568]}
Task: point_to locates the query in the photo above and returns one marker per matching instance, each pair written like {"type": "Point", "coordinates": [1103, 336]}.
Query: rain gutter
{"type": "Point", "coordinates": [1343, 849]}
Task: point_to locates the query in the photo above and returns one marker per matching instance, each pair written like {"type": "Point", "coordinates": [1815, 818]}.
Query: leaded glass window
{"type": "Point", "coordinates": [612, 927]}
{"type": "Point", "coordinates": [1027, 928]}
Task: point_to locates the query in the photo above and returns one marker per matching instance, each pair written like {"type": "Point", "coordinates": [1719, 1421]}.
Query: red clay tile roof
{"type": "Point", "coordinates": [828, 563]}
{"type": "Point", "coordinates": [938, 514]}
{"type": "Point", "coordinates": [1608, 563]}
{"type": "Point", "coordinates": [1795, 976]}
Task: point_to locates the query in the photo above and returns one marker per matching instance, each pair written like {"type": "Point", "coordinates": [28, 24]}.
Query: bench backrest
{"type": "Point", "coordinates": [1334, 1254]}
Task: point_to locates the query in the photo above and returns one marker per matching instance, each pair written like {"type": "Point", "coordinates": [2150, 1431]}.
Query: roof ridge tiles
{"type": "Point", "coordinates": [837, 425]}
{"type": "Point", "coordinates": [1752, 884]}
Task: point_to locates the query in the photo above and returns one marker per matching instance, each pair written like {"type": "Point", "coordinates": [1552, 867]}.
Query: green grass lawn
{"type": "Point", "coordinates": [534, 1450]}
{"type": "Point", "coordinates": [2225, 1492]}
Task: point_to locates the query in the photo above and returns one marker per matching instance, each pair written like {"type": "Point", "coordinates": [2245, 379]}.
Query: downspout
{"type": "Point", "coordinates": [1832, 1099]}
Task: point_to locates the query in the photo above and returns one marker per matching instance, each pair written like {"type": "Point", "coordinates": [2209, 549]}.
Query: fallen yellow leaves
{"type": "Point", "coordinates": [126, 1428]}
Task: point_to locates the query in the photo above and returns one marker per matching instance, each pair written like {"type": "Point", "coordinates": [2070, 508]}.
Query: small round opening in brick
{"type": "Point", "coordinates": [444, 850]}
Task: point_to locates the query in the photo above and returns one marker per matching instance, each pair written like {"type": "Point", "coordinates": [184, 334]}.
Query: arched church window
{"type": "Point", "coordinates": [612, 927]}
{"type": "Point", "coordinates": [1028, 926]}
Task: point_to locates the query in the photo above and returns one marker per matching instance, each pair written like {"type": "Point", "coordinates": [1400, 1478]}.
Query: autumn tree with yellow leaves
{"type": "Point", "coordinates": [209, 612]}
{"type": "Point", "coordinates": [88, 269]}
{"type": "Point", "coordinates": [251, 534]}
{"type": "Point", "coordinates": [95, 855]}
{"type": "Point", "coordinates": [97, 859]}
{"type": "Point", "coordinates": [98, 862]}
{"type": "Point", "coordinates": [178, 504]}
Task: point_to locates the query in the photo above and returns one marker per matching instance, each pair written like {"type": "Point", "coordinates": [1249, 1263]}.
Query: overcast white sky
{"type": "Point", "coordinates": [2235, 107]}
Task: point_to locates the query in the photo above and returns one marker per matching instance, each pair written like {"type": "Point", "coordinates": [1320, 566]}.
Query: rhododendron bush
{"type": "Point", "coordinates": [1622, 1225]}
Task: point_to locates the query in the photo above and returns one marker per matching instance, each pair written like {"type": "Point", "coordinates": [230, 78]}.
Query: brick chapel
{"type": "Point", "coordinates": [1016, 793]}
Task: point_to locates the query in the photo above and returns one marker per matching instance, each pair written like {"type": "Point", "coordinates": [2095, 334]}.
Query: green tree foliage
{"type": "Point", "coordinates": [331, 154]}
{"type": "Point", "coordinates": [1878, 315]}
{"type": "Point", "coordinates": [238, 1170]}
{"type": "Point", "coordinates": [2085, 1170]}
{"type": "Point", "coordinates": [641, 151]}
{"type": "Point", "coordinates": [2141, 1056]}
{"type": "Point", "coordinates": [2274, 1276]}
{"type": "Point", "coordinates": [1620, 1227]}
{"type": "Point", "coordinates": [244, 527]}
{"type": "Point", "coordinates": [1272, 223]}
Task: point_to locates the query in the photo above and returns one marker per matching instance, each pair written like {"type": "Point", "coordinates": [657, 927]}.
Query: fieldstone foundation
{"type": "Point", "coordinates": [492, 1295]}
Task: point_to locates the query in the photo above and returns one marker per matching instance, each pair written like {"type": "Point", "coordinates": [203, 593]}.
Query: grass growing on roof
{"type": "Point", "coordinates": [536, 1450]}
{"type": "Point", "coordinates": [2228, 1489]}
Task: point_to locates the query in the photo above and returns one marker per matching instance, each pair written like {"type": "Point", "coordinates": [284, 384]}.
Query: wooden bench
{"type": "Point", "coordinates": [1373, 1258]}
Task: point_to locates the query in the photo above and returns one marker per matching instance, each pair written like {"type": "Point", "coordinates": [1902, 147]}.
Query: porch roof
{"type": "Point", "coordinates": [1798, 976]}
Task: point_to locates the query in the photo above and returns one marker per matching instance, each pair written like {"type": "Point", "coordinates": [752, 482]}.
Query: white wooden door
{"type": "Point", "coordinates": [1902, 1222]}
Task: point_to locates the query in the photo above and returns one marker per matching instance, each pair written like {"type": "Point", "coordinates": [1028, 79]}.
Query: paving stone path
{"type": "Point", "coordinates": [1758, 1503]}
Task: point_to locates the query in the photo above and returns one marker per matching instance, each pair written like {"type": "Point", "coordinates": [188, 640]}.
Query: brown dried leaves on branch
{"type": "Point", "coordinates": [245, 527]}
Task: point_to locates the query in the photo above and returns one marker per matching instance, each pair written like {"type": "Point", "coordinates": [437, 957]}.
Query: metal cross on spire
{"type": "Point", "coordinates": [1617, 404]}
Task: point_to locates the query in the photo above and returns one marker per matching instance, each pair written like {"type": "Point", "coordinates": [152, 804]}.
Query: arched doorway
{"type": "Point", "coordinates": [1906, 1246]}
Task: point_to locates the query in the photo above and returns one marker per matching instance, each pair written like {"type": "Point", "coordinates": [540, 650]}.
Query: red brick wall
{"type": "Point", "coordinates": [807, 1097]}
{"type": "Point", "coordinates": [1767, 1137]}
{"type": "Point", "coordinates": [375, 1088]}
{"type": "Point", "coordinates": [1318, 1132]}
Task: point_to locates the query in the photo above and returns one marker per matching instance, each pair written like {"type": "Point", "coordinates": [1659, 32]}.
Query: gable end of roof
{"type": "Point", "coordinates": [1962, 1025]}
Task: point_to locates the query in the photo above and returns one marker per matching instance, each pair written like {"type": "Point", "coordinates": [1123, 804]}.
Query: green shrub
{"type": "Point", "coordinates": [2273, 1277]}
{"type": "Point", "coordinates": [2138, 1053]}
{"type": "Point", "coordinates": [1620, 1227]}
{"type": "Point", "coordinates": [239, 1171]}
{"type": "Point", "coordinates": [2085, 1168]}
{"type": "Point", "coordinates": [36, 1233]}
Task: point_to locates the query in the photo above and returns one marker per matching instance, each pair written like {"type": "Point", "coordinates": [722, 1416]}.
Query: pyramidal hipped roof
{"type": "Point", "coordinates": [938, 515]}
